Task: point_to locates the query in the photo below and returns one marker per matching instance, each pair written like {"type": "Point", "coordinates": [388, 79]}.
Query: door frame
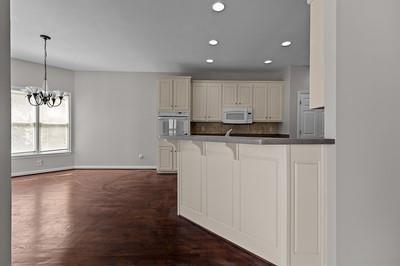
{"type": "Point", "coordinates": [299, 94]}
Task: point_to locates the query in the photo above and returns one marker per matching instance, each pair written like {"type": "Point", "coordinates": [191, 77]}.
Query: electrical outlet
{"type": "Point", "coordinates": [39, 162]}
{"type": "Point", "coordinates": [141, 156]}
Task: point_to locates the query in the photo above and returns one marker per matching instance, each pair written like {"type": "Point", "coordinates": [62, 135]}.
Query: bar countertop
{"type": "Point", "coordinates": [261, 140]}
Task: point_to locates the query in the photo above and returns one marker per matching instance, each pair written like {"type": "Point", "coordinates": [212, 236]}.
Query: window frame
{"type": "Point", "coordinates": [37, 152]}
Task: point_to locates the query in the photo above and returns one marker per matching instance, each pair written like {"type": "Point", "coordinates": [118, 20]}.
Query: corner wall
{"type": "Point", "coordinates": [5, 170]}
{"type": "Point", "coordinates": [368, 126]}
{"type": "Point", "coordinates": [23, 74]}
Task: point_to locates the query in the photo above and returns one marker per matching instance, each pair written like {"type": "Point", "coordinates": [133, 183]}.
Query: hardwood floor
{"type": "Point", "coordinates": [110, 217]}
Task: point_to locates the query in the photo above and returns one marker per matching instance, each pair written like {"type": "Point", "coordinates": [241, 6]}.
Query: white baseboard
{"type": "Point", "coordinates": [104, 167]}
{"type": "Point", "coordinates": [116, 167]}
{"type": "Point", "coordinates": [41, 171]}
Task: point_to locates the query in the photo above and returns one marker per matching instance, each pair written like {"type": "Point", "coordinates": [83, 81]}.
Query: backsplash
{"type": "Point", "coordinates": [220, 128]}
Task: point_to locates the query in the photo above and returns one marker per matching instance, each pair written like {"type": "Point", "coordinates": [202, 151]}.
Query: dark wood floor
{"type": "Point", "coordinates": [110, 217]}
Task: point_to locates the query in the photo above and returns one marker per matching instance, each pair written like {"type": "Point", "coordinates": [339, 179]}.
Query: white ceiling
{"type": "Point", "coordinates": [161, 35]}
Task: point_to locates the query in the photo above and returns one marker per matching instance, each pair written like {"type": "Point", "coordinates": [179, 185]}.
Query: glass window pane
{"type": "Point", "coordinates": [23, 117]}
{"type": "Point", "coordinates": [54, 127]}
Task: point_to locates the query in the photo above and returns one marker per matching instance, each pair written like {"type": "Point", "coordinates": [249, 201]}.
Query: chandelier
{"type": "Point", "coordinates": [43, 96]}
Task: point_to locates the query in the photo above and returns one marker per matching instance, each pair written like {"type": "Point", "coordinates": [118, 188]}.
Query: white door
{"type": "Point", "coordinates": [199, 102]}
{"type": "Point", "coordinates": [311, 121]}
{"type": "Point", "coordinates": [213, 102]}
{"type": "Point", "coordinates": [181, 94]}
{"type": "Point", "coordinates": [275, 102]}
{"type": "Point", "coordinates": [229, 94]}
{"type": "Point", "coordinates": [245, 94]}
{"type": "Point", "coordinates": [260, 112]}
{"type": "Point", "coordinates": [165, 96]}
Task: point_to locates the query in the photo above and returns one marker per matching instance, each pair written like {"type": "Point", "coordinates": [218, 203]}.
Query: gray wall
{"type": "Point", "coordinates": [368, 126]}
{"type": "Point", "coordinates": [296, 79]}
{"type": "Point", "coordinates": [23, 74]}
{"type": "Point", "coordinates": [117, 119]}
{"type": "Point", "coordinates": [5, 186]}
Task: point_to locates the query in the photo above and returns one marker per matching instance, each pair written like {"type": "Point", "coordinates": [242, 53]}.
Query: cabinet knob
{"type": "Point", "coordinates": [172, 106]}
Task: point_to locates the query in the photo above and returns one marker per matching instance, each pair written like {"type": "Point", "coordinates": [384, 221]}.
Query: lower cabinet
{"type": "Point", "coordinates": [266, 199]}
{"type": "Point", "coordinates": [167, 158]}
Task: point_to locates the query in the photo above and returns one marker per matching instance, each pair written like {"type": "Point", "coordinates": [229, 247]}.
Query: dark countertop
{"type": "Point", "coordinates": [259, 140]}
{"type": "Point", "coordinates": [257, 135]}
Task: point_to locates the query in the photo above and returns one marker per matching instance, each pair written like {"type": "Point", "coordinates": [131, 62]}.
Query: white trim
{"type": "Point", "coordinates": [310, 1]}
{"type": "Point", "coordinates": [123, 167]}
{"type": "Point", "coordinates": [94, 167]}
{"type": "Point", "coordinates": [41, 171]}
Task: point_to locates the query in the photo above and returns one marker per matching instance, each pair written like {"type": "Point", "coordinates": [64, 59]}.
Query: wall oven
{"type": "Point", "coordinates": [174, 124]}
{"type": "Point", "coordinates": [237, 115]}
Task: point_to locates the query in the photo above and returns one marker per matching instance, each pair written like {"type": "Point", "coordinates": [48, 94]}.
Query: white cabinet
{"type": "Point", "coordinates": [206, 103]}
{"type": "Point", "coordinates": [229, 94]}
{"type": "Point", "coordinates": [237, 94]}
{"type": "Point", "coordinates": [268, 102]}
{"type": "Point", "coordinates": [167, 160]}
{"type": "Point", "coordinates": [174, 94]}
{"type": "Point", "coordinates": [317, 53]}
{"type": "Point", "coordinates": [268, 199]}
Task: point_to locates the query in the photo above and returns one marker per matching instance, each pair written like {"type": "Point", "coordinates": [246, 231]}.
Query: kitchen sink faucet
{"type": "Point", "coordinates": [228, 133]}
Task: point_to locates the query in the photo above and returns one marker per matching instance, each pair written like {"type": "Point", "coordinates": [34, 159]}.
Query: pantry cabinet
{"type": "Point", "coordinates": [267, 101]}
{"type": "Point", "coordinates": [174, 94]}
{"type": "Point", "coordinates": [206, 103]}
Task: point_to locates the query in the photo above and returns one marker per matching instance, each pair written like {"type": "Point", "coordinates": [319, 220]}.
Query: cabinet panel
{"type": "Point", "coordinates": [245, 94]}
{"type": "Point", "coordinates": [275, 102]}
{"type": "Point", "coordinates": [165, 161]}
{"type": "Point", "coordinates": [181, 94]}
{"type": "Point", "coordinates": [317, 54]}
{"type": "Point", "coordinates": [214, 107]}
{"type": "Point", "coordinates": [260, 93]}
{"type": "Point", "coordinates": [219, 182]}
{"type": "Point", "coordinates": [165, 96]}
{"type": "Point", "coordinates": [229, 94]}
{"type": "Point", "coordinates": [190, 178]}
{"type": "Point", "coordinates": [307, 211]}
{"type": "Point", "coordinates": [199, 102]}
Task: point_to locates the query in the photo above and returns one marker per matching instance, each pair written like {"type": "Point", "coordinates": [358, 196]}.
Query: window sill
{"type": "Point", "coordinates": [42, 154]}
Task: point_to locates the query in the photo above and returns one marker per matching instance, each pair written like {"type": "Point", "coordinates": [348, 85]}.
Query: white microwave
{"type": "Point", "coordinates": [237, 115]}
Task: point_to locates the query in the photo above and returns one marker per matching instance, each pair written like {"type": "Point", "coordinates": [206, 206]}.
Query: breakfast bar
{"type": "Point", "coordinates": [266, 195]}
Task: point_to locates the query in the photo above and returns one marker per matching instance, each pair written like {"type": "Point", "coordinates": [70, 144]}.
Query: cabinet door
{"type": "Point", "coordinates": [181, 94]}
{"type": "Point", "coordinates": [229, 94]}
{"type": "Point", "coordinates": [214, 102]}
{"type": "Point", "coordinates": [165, 161]}
{"type": "Point", "coordinates": [165, 94]}
{"type": "Point", "coordinates": [275, 102]}
{"type": "Point", "coordinates": [199, 103]}
{"type": "Point", "coordinates": [245, 94]}
{"type": "Point", "coordinates": [260, 96]}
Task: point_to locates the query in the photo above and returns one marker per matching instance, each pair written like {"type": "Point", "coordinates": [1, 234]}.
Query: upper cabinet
{"type": "Point", "coordinates": [237, 94]}
{"type": "Point", "coordinates": [206, 104]}
{"type": "Point", "coordinates": [267, 101]}
{"type": "Point", "coordinates": [174, 94]}
{"type": "Point", "coordinates": [209, 98]}
{"type": "Point", "coordinates": [317, 53]}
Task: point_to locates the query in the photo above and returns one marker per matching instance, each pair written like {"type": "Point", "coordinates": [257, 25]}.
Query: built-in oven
{"type": "Point", "coordinates": [174, 124]}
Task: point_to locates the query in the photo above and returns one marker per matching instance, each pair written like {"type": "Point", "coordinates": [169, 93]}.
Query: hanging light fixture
{"type": "Point", "coordinates": [43, 96]}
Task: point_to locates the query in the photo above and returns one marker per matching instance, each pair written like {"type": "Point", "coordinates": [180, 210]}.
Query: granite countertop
{"type": "Point", "coordinates": [251, 139]}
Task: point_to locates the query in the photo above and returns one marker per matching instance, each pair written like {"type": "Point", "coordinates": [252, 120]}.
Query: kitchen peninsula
{"type": "Point", "coordinates": [267, 195]}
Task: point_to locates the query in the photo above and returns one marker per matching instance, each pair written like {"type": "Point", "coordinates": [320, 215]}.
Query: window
{"type": "Point", "coordinates": [40, 129]}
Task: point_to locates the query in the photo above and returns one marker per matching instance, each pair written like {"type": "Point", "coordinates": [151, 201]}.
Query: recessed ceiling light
{"type": "Point", "coordinates": [218, 6]}
{"type": "Point", "coordinates": [213, 42]}
{"type": "Point", "coordinates": [210, 61]}
{"type": "Point", "coordinates": [267, 61]}
{"type": "Point", "coordinates": [286, 44]}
